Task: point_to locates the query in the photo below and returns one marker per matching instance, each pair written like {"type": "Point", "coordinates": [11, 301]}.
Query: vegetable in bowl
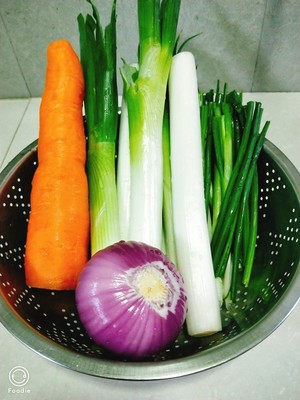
{"type": "Point", "coordinates": [58, 228]}
{"type": "Point", "coordinates": [131, 299]}
{"type": "Point", "coordinates": [151, 169]}
{"type": "Point", "coordinates": [47, 320]}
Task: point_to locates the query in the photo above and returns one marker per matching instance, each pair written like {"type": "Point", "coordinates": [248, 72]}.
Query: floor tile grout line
{"type": "Point", "coordinates": [14, 135]}
{"type": "Point", "coordinates": [259, 45]}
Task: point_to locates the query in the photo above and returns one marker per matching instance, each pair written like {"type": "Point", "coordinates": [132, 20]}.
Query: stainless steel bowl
{"type": "Point", "coordinates": [48, 323]}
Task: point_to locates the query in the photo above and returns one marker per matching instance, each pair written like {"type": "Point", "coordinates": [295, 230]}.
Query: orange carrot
{"type": "Point", "coordinates": [58, 229]}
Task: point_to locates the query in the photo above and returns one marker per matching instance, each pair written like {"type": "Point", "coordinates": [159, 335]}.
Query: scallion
{"type": "Point", "coordinates": [232, 186]}
{"type": "Point", "coordinates": [98, 58]}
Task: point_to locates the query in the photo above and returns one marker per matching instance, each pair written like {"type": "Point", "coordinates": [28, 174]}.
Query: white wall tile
{"type": "Point", "coordinates": [278, 64]}
{"type": "Point", "coordinates": [227, 47]}
{"type": "Point", "coordinates": [12, 83]}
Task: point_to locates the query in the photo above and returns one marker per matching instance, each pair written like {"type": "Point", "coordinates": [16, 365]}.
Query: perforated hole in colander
{"type": "Point", "coordinates": [54, 316]}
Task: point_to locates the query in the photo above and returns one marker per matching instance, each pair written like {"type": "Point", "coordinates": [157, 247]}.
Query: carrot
{"type": "Point", "coordinates": [57, 239]}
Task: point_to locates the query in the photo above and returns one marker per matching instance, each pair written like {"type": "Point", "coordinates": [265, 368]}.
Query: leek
{"type": "Point", "coordinates": [190, 226]}
{"type": "Point", "coordinates": [98, 59]}
{"type": "Point", "coordinates": [145, 92]}
{"type": "Point", "coordinates": [168, 220]}
{"type": "Point", "coordinates": [123, 175]}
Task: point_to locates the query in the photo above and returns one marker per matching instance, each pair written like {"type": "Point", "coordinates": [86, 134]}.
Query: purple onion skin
{"type": "Point", "coordinates": [115, 313]}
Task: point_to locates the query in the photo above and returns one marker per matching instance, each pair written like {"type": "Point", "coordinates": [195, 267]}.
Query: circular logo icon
{"type": "Point", "coordinates": [18, 376]}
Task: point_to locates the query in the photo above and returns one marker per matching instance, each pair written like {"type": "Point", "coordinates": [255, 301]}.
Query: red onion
{"type": "Point", "coordinates": [131, 299]}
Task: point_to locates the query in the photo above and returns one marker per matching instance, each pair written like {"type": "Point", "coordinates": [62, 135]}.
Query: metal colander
{"type": "Point", "coordinates": [47, 321]}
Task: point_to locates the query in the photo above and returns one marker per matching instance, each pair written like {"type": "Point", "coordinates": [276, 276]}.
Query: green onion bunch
{"type": "Point", "coordinates": [231, 142]}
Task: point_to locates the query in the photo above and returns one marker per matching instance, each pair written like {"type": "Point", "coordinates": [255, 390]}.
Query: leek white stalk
{"type": "Point", "coordinates": [168, 223]}
{"type": "Point", "coordinates": [190, 224]}
{"type": "Point", "coordinates": [145, 92]}
{"type": "Point", "coordinates": [123, 177]}
{"type": "Point", "coordinates": [146, 168]}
